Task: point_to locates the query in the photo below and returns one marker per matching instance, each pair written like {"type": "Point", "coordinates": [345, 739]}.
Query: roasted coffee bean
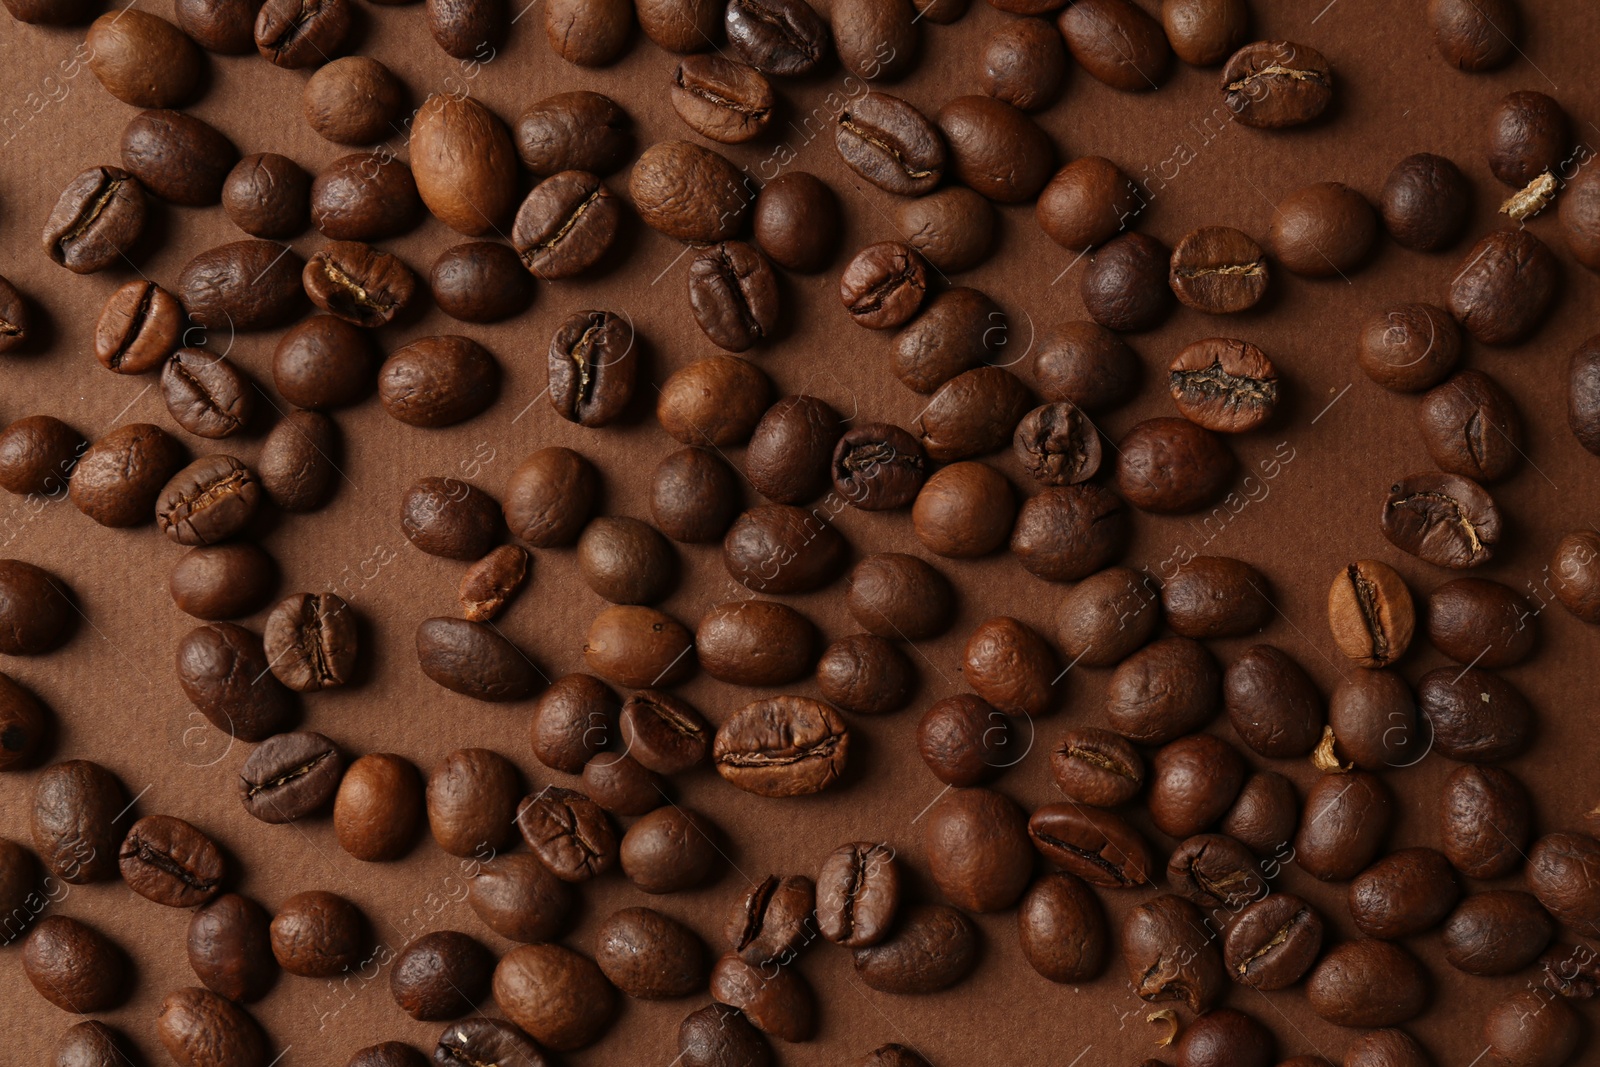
{"type": "Point", "coordinates": [638, 647]}
{"type": "Point", "coordinates": [1528, 138]}
{"type": "Point", "coordinates": [1346, 821]}
{"type": "Point", "coordinates": [1409, 347]}
{"type": "Point", "coordinates": [1008, 664]}
{"type": "Point", "coordinates": [208, 501]}
{"type": "Point", "coordinates": [558, 996]}
{"type": "Point", "coordinates": [267, 195]}
{"type": "Point", "coordinates": [1085, 364]}
{"type": "Point", "coordinates": [224, 672]}
{"type": "Point", "coordinates": [1272, 942]}
{"type": "Point", "coordinates": [782, 746]}
{"type": "Point", "coordinates": [1024, 64]}
{"type": "Point", "coordinates": [480, 281]}
{"type": "Point", "coordinates": [438, 381]}
{"type": "Point", "coordinates": [298, 35]}
{"type": "Point", "coordinates": [1094, 766]}
{"type": "Point", "coordinates": [878, 467]}
{"type": "Point", "coordinates": [1219, 270]}
{"type": "Point", "coordinates": [290, 776]}
{"type": "Point", "coordinates": [890, 143]}
{"type": "Point", "coordinates": [230, 948]}
{"type": "Point", "coordinates": [1097, 846]}
{"type": "Point", "coordinates": [549, 497]}
{"type": "Point", "coordinates": [1264, 814]}
{"type": "Point", "coordinates": [1485, 821]}
{"type": "Point", "coordinates": [963, 740]}
{"type": "Point", "coordinates": [972, 414]}
{"type": "Point", "coordinates": [1505, 287]}
{"type": "Point", "coordinates": [733, 292]}
{"type": "Point", "coordinates": [143, 59]}
{"type": "Point", "coordinates": [1444, 519]}
{"type": "Point", "coordinates": [170, 862]}
{"type": "Point", "coordinates": [310, 640]}
{"type": "Point", "coordinates": [296, 463]}
{"type": "Point", "coordinates": [714, 401]}
{"type": "Point", "coordinates": [953, 228]}
{"type": "Point", "coordinates": [622, 785]}
{"type": "Point", "coordinates": [779, 549]}
{"type": "Point", "coordinates": [876, 39]}
{"type": "Point", "coordinates": [1577, 574]}
{"type": "Point", "coordinates": [1583, 395]}
{"type": "Point", "coordinates": [206, 394]}
{"type": "Point", "coordinates": [1480, 622]}
{"type": "Point", "coordinates": [1497, 932]}
{"type": "Point", "coordinates": [797, 218]}
{"type": "Point", "coordinates": [1118, 43]}
{"type": "Point", "coordinates": [1163, 691]}
{"type": "Point", "coordinates": [788, 457]}
{"type": "Point", "coordinates": [858, 894]}
{"type": "Point", "coordinates": [1475, 35]}
{"type": "Point", "coordinates": [244, 285]}
{"type": "Point", "coordinates": [679, 25]}
{"type": "Point", "coordinates": [664, 733]}
{"type": "Point", "coordinates": [669, 850]}
{"type": "Point", "coordinates": [1405, 893]}
{"type": "Point", "coordinates": [592, 367]}
{"type": "Point", "coordinates": [74, 966]}
{"type": "Point", "coordinates": [1476, 716]}
{"type": "Point", "coordinates": [365, 196]}
{"type": "Point", "coordinates": [1470, 427]}
{"type": "Point", "coordinates": [1106, 617]}
{"type": "Point", "coordinates": [587, 33]}
{"type": "Point", "coordinates": [1561, 873]}
{"type": "Point", "coordinates": [1062, 927]}
{"type": "Point", "coordinates": [1172, 466]}
{"type": "Point", "coordinates": [1216, 596]}
{"type": "Point", "coordinates": [1124, 287]}
{"type": "Point", "coordinates": [995, 149]}
{"type": "Point", "coordinates": [577, 130]}
{"type": "Point", "coordinates": [717, 1036]}
{"type": "Point", "coordinates": [518, 898]}
{"type": "Point", "coordinates": [1171, 955]}
{"type": "Point", "coordinates": [36, 610]}
{"type": "Point", "coordinates": [1425, 201]}
{"type": "Point", "coordinates": [566, 225]}
{"type": "Point", "coordinates": [473, 659]}
{"type": "Point", "coordinates": [1370, 613]}
{"type": "Point", "coordinates": [1066, 533]}
{"type": "Point", "coordinates": [1569, 971]}
{"type": "Point", "coordinates": [574, 719]}
{"type": "Point", "coordinates": [378, 808]}
{"type": "Point", "coordinates": [1270, 85]}
{"type": "Point", "coordinates": [96, 221]}
{"type": "Point", "coordinates": [1193, 782]}
{"type": "Point", "coordinates": [961, 329]}
{"type": "Point", "coordinates": [318, 935]}
{"type": "Point", "coordinates": [978, 849]}
{"type": "Point", "coordinates": [223, 26]}
{"type": "Point", "coordinates": [77, 806]}
{"type": "Point", "coordinates": [1058, 445]}
{"type": "Point", "coordinates": [464, 164]}
{"type": "Point", "coordinates": [721, 99]}
{"type": "Point", "coordinates": [777, 1000]}
{"type": "Point", "coordinates": [1224, 385]}
{"type": "Point", "coordinates": [49, 13]}
{"type": "Point", "coordinates": [1373, 717]}
{"type": "Point", "coordinates": [1580, 219]}
{"type": "Point", "coordinates": [138, 328]}
{"type": "Point", "coordinates": [688, 192]}
{"type": "Point", "coordinates": [650, 956]}
{"type": "Point", "coordinates": [358, 283]}
{"type": "Point", "coordinates": [440, 975]}
{"type": "Point", "coordinates": [755, 643]}
{"type": "Point", "coordinates": [783, 37]}
{"type": "Point", "coordinates": [899, 596]}
{"type": "Point", "coordinates": [1322, 230]}
{"type": "Point", "coordinates": [773, 921]}
{"type": "Point", "coordinates": [1216, 873]}
{"type": "Point", "coordinates": [225, 581]}
{"type": "Point", "coordinates": [354, 101]}
{"type": "Point", "coordinates": [1271, 702]}
{"type": "Point", "coordinates": [1530, 1028]}
{"type": "Point", "coordinates": [694, 496]}
{"type": "Point", "coordinates": [884, 285]}
{"type": "Point", "coordinates": [1368, 983]}
{"type": "Point", "coordinates": [177, 157]}
{"type": "Point", "coordinates": [485, 1040]}
{"type": "Point", "coordinates": [200, 1029]}
{"type": "Point", "coordinates": [1205, 32]}
{"type": "Point", "coordinates": [931, 948]}
{"type": "Point", "coordinates": [91, 1044]}
{"type": "Point", "coordinates": [626, 561]}
{"type": "Point", "coordinates": [466, 30]}
{"type": "Point", "coordinates": [964, 511]}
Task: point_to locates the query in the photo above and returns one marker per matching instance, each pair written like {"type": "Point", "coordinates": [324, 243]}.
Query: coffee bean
{"type": "Point", "coordinates": [1008, 664]}
{"type": "Point", "coordinates": [1057, 445]}
{"type": "Point", "coordinates": [1205, 32]}
{"type": "Point", "coordinates": [622, 785]}
{"type": "Point", "coordinates": [480, 281]}
{"type": "Point", "coordinates": [365, 196]}
{"type": "Point", "coordinates": [378, 808]}
{"type": "Point", "coordinates": [592, 367]}
{"type": "Point", "coordinates": [1569, 971]}
{"type": "Point", "coordinates": [170, 862]}
{"type": "Point", "coordinates": [1172, 466]}
{"type": "Point", "coordinates": [932, 948]}
{"type": "Point", "coordinates": [978, 849]}
{"type": "Point", "coordinates": [1088, 202]}
{"type": "Point", "coordinates": [574, 719]}
{"type": "Point", "coordinates": [890, 143]}
{"type": "Point", "coordinates": [518, 898]}
{"type": "Point", "coordinates": [713, 401]}
{"type": "Point", "coordinates": [267, 195]}
{"type": "Point", "coordinates": [549, 497]}
{"type": "Point", "coordinates": [223, 26]}
{"type": "Point", "coordinates": [964, 511]}
{"type": "Point", "coordinates": [960, 329]}
{"type": "Point", "coordinates": [577, 130]}
{"type": "Point", "coordinates": [1475, 35]}
{"type": "Point", "coordinates": [1577, 574]}
{"type": "Point", "coordinates": [1470, 427]}
{"type": "Point", "coordinates": [230, 948]}
{"type": "Point", "coordinates": [1124, 287]}
{"type": "Point", "coordinates": [74, 966]}
{"type": "Point", "coordinates": [963, 740]}
{"type": "Point", "coordinates": [650, 956]}
{"type": "Point", "coordinates": [953, 228]}
{"type": "Point", "coordinates": [1346, 820]}
{"type": "Point", "coordinates": [1425, 201]}
{"type": "Point", "coordinates": [296, 36]}
{"type": "Point", "coordinates": [1272, 942]}
{"type": "Point", "coordinates": [899, 596]}
{"type": "Point", "coordinates": [566, 225]}
{"type": "Point", "coordinates": [782, 746]}
{"type": "Point", "coordinates": [733, 292]}
{"type": "Point", "coordinates": [1561, 873]}
{"type": "Point", "coordinates": [450, 518]}
{"type": "Point", "coordinates": [318, 935]}
{"type": "Point", "coordinates": [1480, 622]}
{"type": "Point", "coordinates": [858, 894]}
{"type": "Point", "coordinates": [1066, 533]}
{"type": "Point", "coordinates": [1272, 703]}
{"type": "Point", "coordinates": [878, 467]}
{"type": "Point", "coordinates": [440, 975]}
{"type": "Point", "coordinates": [1485, 821]}
{"type": "Point", "coordinates": [1270, 85]}
{"type": "Point", "coordinates": [773, 921]}
{"type": "Point", "coordinates": [1218, 270]}
{"type": "Point", "coordinates": [1087, 365]}
{"type": "Point", "coordinates": [995, 149]}
{"type": "Point", "coordinates": [587, 33]}
{"type": "Point", "coordinates": [876, 40]}
{"type": "Point", "coordinates": [13, 318]}
{"type": "Point", "coordinates": [755, 643]}
{"type": "Point", "coordinates": [779, 549]}
{"type": "Point", "coordinates": [36, 610]}
{"type": "Point", "coordinates": [296, 462]}
{"type": "Point", "coordinates": [200, 1029]}
{"type": "Point", "coordinates": [777, 1000]}
{"type": "Point", "coordinates": [91, 1044]}
{"type": "Point", "coordinates": [1228, 1038]}
{"type": "Point", "coordinates": [1409, 347]}
{"type": "Point", "coordinates": [210, 500]}
{"type": "Point", "coordinates": [1106, 617]}
{"type": "Point", "coordinates": [310, 640]}
{"type": "Point", "coordinates": [669, 850]}
{"type": "Point", "coordinates": [1368, 983]}
{"type": "Point", "coordinates": [1505, 287]}
{"type": "Point", "coordinates": [865, 674]}
{"type": "Point", "coordinates": [1264, 814]}
{"type": "Point", "coordinates": [1216, 596]}
{"type": "Point", "coordinates": [664, 733]}
{"type": "Point", "coordinates": [796, 220]}
{"type": "Point", "coordinates": [1580, 219]}
{"type": "Point", "coordinates": [1583, 395]}
{"type": "Point", "coordinates": [144, 60]}
{"type": "Point", "coordinates": [96, 221]}
{"type": "Point", "coordinates": [245, 285]}
{"type": "Point", "coordinates": [638, 647]}
{"type": "Point", "coordinates": [177, 157]}
{"type": "Point", "coordinates": [1062, 927]}
{"type": "Point", "coordinates": [473, 659]}
{"type": "Point", "coordinates": [1530, 1027]}
{"type": "Point", "coordinates": [24, 730]}
{"type": "Point", "coordinates": [358, 283]}
{"type": "Point", "coordinates": [206, 394]}
{"type": "Point", "coordinates": [438, 381]}
{"type": "Point", "coordinates": [1096, 767]}
{"type": "Point", "coordinates": [972, 414]}
{"type": "Point", "coordinates": [224, 672]}
{"type": "Point", "coordinates": [788, 457]}
{"type": "Point", "coordinates": [355, 100]}
{"type": "Point", "coordinates": [1476, 716]}
{"type": "Point", "coordinates": [784, 37]}
{"type": "Point", "coordinates": [884, 285]}
{"type": "Point", "coordinates": [1528, 138]}
{"type": "Point", "coordinates": [1024, 64]}
{"type": "Point", "coordinates": [717, 1035]}
{"type": "Point", "coordinates": [1445, 519]}
{"type": "Point", "coordinates": [721, 99]}
{"type": "Point", "coordinates": [1373, 717]}
{"type": "Point", "coordinates": [1496, 932]}
{"type": "Point", "coordinates": [1370, 613]}
{"type": "Point", "coordinates": [1322, 230]}
{"type": "Point", "coordinates": [688, 192]}
{"type": "Point", "coordinates": [1193, 782]}
{"type": "Point", "coordinates": [1097, 846]}
{"type": "Point", "coordinates": [77, 806]}
{"type": "Point", "coordinates": [485, 1040]}
{"type": "Point", "coordinates": [558, 996]}
{"type": "Point", "coordinates": [694, 496]}
{"type": "Point", "coordinates": [467, 30]}
{"type": "Point", "coordinates": [1171, 955]}
{"type": "Point", "coordinates": [1403, 894]}
{"type": "Point", "coordinates": [1163, 691]}
{"type": "Point", "coordinates": [1118, 43]}
{"type": "Point", "coordinates": [680, 25]}
{"type": "Point", "coordinates": [290, 776]}
{"type": "Point", "coordinates": [464, 164]}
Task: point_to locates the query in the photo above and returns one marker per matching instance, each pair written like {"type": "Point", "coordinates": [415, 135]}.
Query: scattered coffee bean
{"type": "Point", "coordinates": [899, 596]}
{"type": "Point", "coordinates": [638, 647]}
{"type": "Point", "coordinates": [1106, 617]}
{"type": "Point", "coordinates": [669, 850]}
{"type": "Point", "coordinates": [664, 733]}
{"type": "Point", "coordinates": [972, 414]}
{"type": "Point", "coordinates": [1224, 385]}
{"type": "Point", "coordinates": [365, 196]}
{"type": "Point", "coordinates": [1096, 767]}
{"type": "Point", "coordinates": [1118, 43]}
{"type": "Point", "coordinates": [717, 1035]}
{"type": "Point", "coordinates": [206, 394]}
{"type": "Point", "coordinates": [964, 511]}
{"type": "Point", "coordinates": [688, 192]}
{"type": "Point", "coordinates": [592, 367]}
{"type": "Point", "coordinates": [978, 849]}
{"type": "Point", "coordinates": [1205, 32]}
{"type": "Point", "coordinates": [36, 610]}
{"type": "Point", "coordinates": [1008, 664]}
{"type": "Point", "coordinates": [1496, 932]}
{"type": "Point", "coordinates": [1475, 35]}
{"type": "Point", "coordinates": [587, 33]}
{"type": "Point", "coordinates": [1172, 466]}
{"type": "Point", "coordinates": [1485, 821]}
{"type": "Point", "coordinates": [858, 894]}
{"type": "Point", "coordinates": [1124, 287]}
{"type": "Point", "coordinates": [782, 747]}
{"type": "Point", "coordinates": [1476, 716]}
{"type": "Point", "coordinates": [1505, 287]}
{"type": "Point", "coordinates": [1097, 846]}
{"type": "Point", "coordinates": [1580, 219]}
{"type": "Point", "coordinates": [626, 561]}
{"type": "Point", "coordinates": [1271, 702]}
{"type": "Point", "coordinates": [290, 776]}
{"type": "Point", "coordinates": [878, 467]}
{"type": "Point", "coordinates": [1264, 815]}
{"type": "Point", "coordinates": [1272, 942]}
{"type": "Point", "coordinates": [74, 966]}
{"type": "Point", "coordinates": [1425, 201]}
{"type": "Point", "coordinates": [378, 808]}
{"type": "Point", "coordinates": [1529, 135]}
{"type": "Point", "coordinates": [484, 1040]}
{"type": "Point", "coordinates": [577, 130]}
{"type": "Point", "coordinates": [773, 921]}
{"type": "Point", "coordinates": [1409, 347]}
{"type": "Point", "coordinates": [310, 640]}
{"type": "Point", "coordinates": [721, 99]}
{"type": "Point", "coordinates": [1171, 955]}
{"type": "Point", "coordinates": [1368, 983]}
{"type": "Point", "coordinates": [963, 740]}
{"type": "Point", "coordinates": [779, 549]}
{"type": "Point", "coordinates": [1345, 824]}
{"type": "Point", "coordinates": [230, 948]}
{"type": "Point", "coordinates": [787, 460]}
{"type": "Point", "coordinates": [931, 948]}
{"type": "Point", "coordinates": [650, 956]}
{"type": "Point", "coordinates": [574, 720]}
{"type": "Point", "coordinates": [1370, 613]}
{"type": "Point", "coordinates": [200, 1029]}
{"type": "Point", "coordinates": [1583, 395]}
{"type": "Point", "coordinates": [1193, 782]}
{"type": "Point", "coordinates": [317, 934]}
{"type": "Point", "coordinates": [224, 671]}
{"type": "Point", "coordinates": [694, 496]}
{"type": "Point", "coordinates": [177, 157]}
{"type": "Point", "coordinates": [143, 59]}
{"type": "Point", "coordinates": [296, 36]}
{"type": "Point", "coordinates": [467, 31]}
{"type": "Point", "coordinates": [952, 228]}
{"type": "Point", "coordinates": [97, 219]}
{"type": "Point", "coordinates": [1373, 717]}
{"type": "Point", "coordinates": [1216, 596]}
{"type": "Point", "coordinates": [1480, 622]}
{"type": "Point", "coordinates": [560, 997]}
{"type": "Point", "coordinates": [784, 37]}
{"type": "Point", "coordinates": [755, 643]}
{"type": "Point", "coordinates": [550, 497]}
{"type": "Point", "coordinates": [796, 219]}
{"type": "Point", "coordinates": [244, 285]}
{"type": "Point", "coordinates": [566, 225]}
{"type": "Point", "coordinates": [1062, 927]}
{"type": "Point", "coordinates": [1406, 893]}
{"type": "Point", "coordinates": [208, 501]}
{"type": "Point", "coordinates": [884, 285]}
{"type": "Point", "coordinates": [358, 283]}
{"type": "Point", "coordinates": [1561, 873]}
{"type": "Point", "coordinates": [733, 292]}
{"type": "Point", "coordinates": [623, 785]}
{"type": "Point", "coordinates": [464, 164]}
{"type": "Point", "coordinates": [1087, 365]}
{"type": "Point", "coordinates": [1216, 872]}
{"type": "Point", "coordinates": [13, 318]}
{"type": "Point", "coordinates": [440, 975]}
{"type": "Point", "coordinates": [267, 195]}
{"type": "Point", "coordinates": [518, 898]}
{"type": "Point", "coordinates": [959, 330]}
{"type": "Point", "coordinates": [167, 860]}
{"type": "Point", "coordinates": [1531, 1027]}
{"type": "Point", "coordinates": [1470, 427]}
{"type": "Point", "coordinates": [438, 381]}
{"type": "Point", "coordinates": [995, 149]}
{"type": "Point", "coordinates": [473, 659]}
{"type": "Point", "coordinates": [1445, 519]}
{"type": "Point", "coordinates": [1163, 691]}
{"type": "Point", "coordinates": [1270, 85]}
{"type": "Point", "coordinates": [480, 281]}
{"type": "Point", "coordinates": [1066, 533]}
{"type": "Point", "coordinates": [223, 26]}
{"type": "Point", "coordinates": [225, 581]}
{"type": "Point", "coordinates": [1218, 270]}
{"type": "Point", "coordinates": [296, 463]}
{"type": "Point", "coordinates": [77, 806]}
{"type": "Point", "coordinates": [355, 100]}
{"type": "Point", "coordinates": [1577, 574]}
{"type": "Point", "coordinates": [778, 1000]}
{"type": "Point", "coordinates": [875, 40]}
{"type": "Point", "coordinates": [1024, 64]}
{"type": "Point", "coordinates": [1322, 230]}
{"type": "Point", "coordinates": [714, 401]}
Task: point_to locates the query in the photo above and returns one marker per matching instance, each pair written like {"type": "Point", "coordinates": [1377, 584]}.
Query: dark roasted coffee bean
{"type": "Point", "coordinates": [200, 1029]}
{"type": "Point", "coordinates": [773, 921]}
{"type": "Point", "coordinates": [714, 401]}
{"type": "Point", "coordinates": [440, 975]}
{"type": "Point", "coordinates": [884, 285]}
{"type": "Point", "coordinates": [77, 808]}
{"type": "Point", "coordinates": [1008, 664]}
{"type": "Point", "coordinates": [1409, 347]}
{"type": "Point", "coordinates": [1570, 971]}
{"type": "Point", "coordinates": [1205, 32]}
{"type": "Point", "coordinates": [592, 367]}
{"type": "Point", "coordinates": [779, 549]}
{"type": "Point", "coordinates": [960, 329]}
{"type": "Point", "coordinates": [223, 26]}
{"type": "Point", "coordinates": [679, 25]}
{"type": "Point", "coordinates": [36, 610]}
{"type": "Point", "coordinates": [1345, 824]}
{"type": "Point", "coordinates": [1476, 716]}
{"type": "Point", "coordinates": [24, 731]}
{"type": "Point", "coordinates": [664, 733]}
{"type": "Point", "coordinates": [378, 808]}
{"type": "Point", "coordinates": [473, 659]}
{"type": "Point", "coordinates": [224, 672]}
{"type": "Point", "coordinates": [890, 143]}
{"type": "Point", "coordinates": [688, 192]}
{"type": "Point", "coordinates": [1224, 385]}
{"type": "Point", "coordinates": [1583, 395]}
{"type": "Point", "coordinates": [964, 511]}
{"type": "Point", "coordinates": [720, 1036]}
{"type": "Point", "coordinates": [670, 849]}
{"type": "Point", "coordinates": [694, 496]}
{"type": "Point", "coordinates": [650, 956]}
{"type": "Point", "coordinates": [1058, 445]}
{"type": "Point", "coordinates": [577, 130]}
{"type": "Point", "coordinates": [206, 394]}
{"type": "Point", "coordinates": [1062, 927]}
{"type": "Point", "coordinates": [1480, 622]}
{"type": "Point", "coordinates": [296, 463]}
{"type": "Point", "coordinates": [953, 228]}
{"type": "Point", "coordinates": [1264, 814]}
{"type": "Point", "coordinates": [290, 776]}
{"type": "Point", "coordinates": [1216, 596]}
{"type": "Point", "coordinates": [963, 740]}
{"type": "Point", "coordinates": [590, 34]}
{"type": "Point", "coordinates": [1272, 942]}
{"type": "Point", "coordinates": [208, 501]}
{"type": "Point", "coordinates": [310, 640]}
{"type": "Point", "coordinates": [1097, 846]}
{"type": "Point", "coordinates": [267, 195]}
{"type": "Point", "coordinates": [467, 29]}
{"type": "Point", "coordinates": [558, 996]}
{"type": "Point", "coordinates": [438, 381]}
{"type": "Point", "coordinates": [1106, 617]}
{"type": "Point", "coordinates": [1444, 519]}
{"type": "Point", "coordinates": [778, 1000]}
{"type": "Point", "coordinates": [1322, 230]}
{"type": "Point", "coordinates": [1370, 613]}
{"type": "Point", "coordinates": [996, 149]}
{"type": "Point", "coordinates": [783, 37]}
{"type": "Point", "coordinates": [91, 1044]}
{"type": "Point", "coordinates": [1118, 43]}
{"type": "Point", "coordinates": [1085, 364]}
{"type": "Point", "coordinates": [1530, 1028]}
{"type": "Point", "coordinates": [733, 292]}
{"type": "Point", "coordinates": [623, 785]}
{"type": "Point", "coordinates": [1580, 219]}
{"type": "Point", "coordinates": [858, 894]}
{"type": "Point", "coordinates": [1124, 287]}
{"type": "Point", "coordinates": [1269, 85]}
{"type": "Point", "coordinates": [1373, 717]}
{"type": "Point", "coordinates": [1403, 894]}
{"type": "Point", "coordinates": [978, 849]}
{"type": "Point", "coordinates": [170, 862]}
{"type": "Point", "coordinates": [230, 948]}
{"type": "Point", "coordinates": [485, 1040]}
{"type": "Point", "coordinates": [450, 518]}
{"type": "Point", "coordinates": [225, 581]}
{"type": "Point", "coordinates": [354, 101]}
{"type": "Point", "coordinates": [1193, 782]}
{"type": "Point", "coordinates": [1096, 767]}
{"type": "Point", "coordinates": [566, 225]}
{"type": "Point", "coordinates": [358, 283]}
{"type": "Point", "coordinates": [1561, 873]}
{"type": "Point", "coordinates": [574, 719]}
{"type": "Point", "coordinates": [1272, 703]}
{"type": "Point", "coordinates": [177, 157]}
{"type": "Point", "coordinates": [296, 34]}
{"type": "Point", "coordinates": [569, 833]}
{"type": "Point", "coordinates": [797, 218]}
{"type": "Point", "coordinates": [1216, 873]}
{"type": "Point", "coordinates": [318, 935]}
{"type": "Point", "coordinates": [876, 39]}
{"type": "Point", "coordinates": [1066, 533]}
{"type": "Point", "coordinates": [518, 898]}
{"type": "Point", "coordinates": [878, 467]}
{"type": "Point", "coordinates": [1576, 568]}
{"type": "Point", "coordinates": [1163, 691]}
{"type": "Point", "coordinates": [782, 747]}
{"type": "Point", "coordinates": [1529, 135]}
{"type": "Point", "coordinates": [1485, 821]}
{"type": "Point", "coordinates": [365, 196]}
{"type": "Point", "coordinates": [899, 596]}
{"type": "Point", "coordinates": [1171, 955]}
{"type": "Point", "coordinates": [972, 414]}
{"type": "Point", "coordinates": [1505, 287]}
{"type": "Point", "coordinates": [244, 285]}
{"type": "Point", "coordinates": [1218, 270]}
{"type": "Point", "coordinates": [96, 221]}
{"type": "Point", "coordinates": [1497, 932]}
{"type": "Point", "coordinates": [1470, 427]}
{"type": "Point", "coordinates": [138, 328]}
{"type": "Point", "coordinates": [1024, 64]}
{"type": "Point", "coordinates": [1475, 35]}
{"type": "Point", "coordinates": [755, 643]}
{"type": "Point", "coordinates": [144, 60]}
{"type": "Point", "coordinates": [1368, 983]}
{"type": "Point", "coordinates": [481, 281]}
{"type": "Point", "coordinates": [74, 966]}
{"type": "Point", "coordinates": [788, 457]}
{"type": "Point", "coordinates": [1172, 466]}
{"type": "Point", "coordinates": [638, 647]}
{"type": "Point", "coordinates": [1425, 201]}
{"type": "Point", "coordinates": [931, 948]}
{"type": "Point", "coordinates": [721, 99]}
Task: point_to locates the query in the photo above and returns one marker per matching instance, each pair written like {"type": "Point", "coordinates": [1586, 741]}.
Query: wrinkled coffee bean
{"type": "Point", "coordinates": [358, 283]}
{"type": "Point", "coordinates": [670, 850]}
{"type": "Point", "coordinates": [996, 149]}
{"type": "Point", "coordinates": [858, 894]}
{"type": "Point", "coordinates": [1096, 767]}
{"type": "Point", "coordinates": [518, 898]}
{"type": "Point", "coordinates": [1577, 574]}
{"type": "Point", "coordinates": [302, 33]}
{"type": "Point", "coordinates": [694, 496]}
{"type": "Point", "coordinates": [1215, 872]}
{"type": "Point", "coordinates": [1163, 691]}
{"type": "Point", "coordinates": [733, 292]}
{"type": "Point", "coordinates": [1373, 717]}
{"type": "Point", "coordinates": [1370, 613]}
{"type": "Point", "coordinates": [1405, 893]}
{"type": "Point", "coordinates": [1097, 846]}
{"type": "Point", "coordinates": [77, 806]}
{"type": "Point", "coordinates": [1265, 813]}
{"type": "Point", "coordinates": [378, 808]}
{"type": "Point", "coordinates": [588, 33]}
{"type": "Point", "coordinates": [963, 740]}
{"type": "Point", "coordinates": [1444, 519]}
{"type": "Point", "coordinates": [1062, 927]}
{"type": "Point", "coordinates": [438, 381]}
{"type": "Point", "coordinates": [1224, 385]}
{"type": "Point", "coordinates": [778, 1000]}
{"type": "Point", "coordinates": [1476, 716]}
{"type": "Point", "coordinates": [1505, 287]}
{"type": "Point", "coordinates": [782, 747]}
{"type": "Point", "coordinates": [1024, 64]}
{"type": "Point", "coordinates": [1583, 395]}
{"type": "Point", "coordinates": [721, 99]}
{"type": "Point", "coordinates": [244, 285]}
{"type": "Point", "coordinates": [480, 281]}
{"type": "Point", "coordinates": [931, 948]}
{"type": "Point", "coordinates": [138, 328]}
{"type": "Point", "coordinates": [97, 219]}
{"type": "Point", "coordinates": [952, 228]}
{"type": "Point", "coordinates": [1193, 782]}
{"type": "Point", "coordinates": [1425, 201]}
{"type": "Point", "coordinates": [177, 157]}
{"type": "Point", "coordinates": [290, 776]}
{"type": "Point", "coordinates": [36, 610]}
{"type": "Point", "coordinates": [1106, 617]}
{"type": "Point", "coordinates": [365, 196]}
{"type": "Point", "coordinates": [973, 413]}
{"type": "Point", "coordinates": [578, 130]}
{"type": "Point", "coordinates": [208, 501]}
{"type": "Point", "coordinates": [1088, 202]}
{"type": "Point", "coordinates": [876, 39]}
{"type": "Point", "coordinates": [719, 1036]}
{"type": "Point", "coordinates": [592, 367]}
{"type": "Point", "coordinates": [1273, 942]}
{"type": "Point", "coordinates": [755, 643]}
{"type": "Point", "coordinates": [1118, 43]}
{"type": "Point", "coordinates": [787, 460]}
{"type": "Point", "coordinates": [224, 671]}
{"type": "Point", "coordinates": [310, 640]}
{"type": "Point", "coordinates": [354, 101]}
{"type": "Point", "coordinates": [1368, 983]}
{"type": "Point", "coordinates": [296, 463]}
{"type": "Point", "coordinates": [650, 956]}
{"type": "Point", "coordinates": [574, 719]}
{"type": "Point", "coordinates": [960, 330]}
{"type": "Point", "coordinates": [206, 394]}
{"type": "Point", "coordinates": [1485, 821]}
{"type": "Point", "coordinates": [899, 596]}
{"type": "Point", "coordinates": [473, 659]}
{"type": "Point", "coordinates": [890, 143]}
{"type": "Point", "coordinates": [884, 285]}
{"type": "Point", "coordinates": [978, 849]}
{"type": "Point", "coordinates": [464, 164]}
{"type": "Point", "coordinates": [569, 833]}
{"type": "Point", "coordinates": [1216, 596]}
{"type": "Point", "coordinates": [1008, 664]}
{"type": "Point", "coordinates": [1085, 364]}
{"type": "Point", "coordinates": [1270, 85]}
{"type": "Point", "coordinates": [783, 37]}
{"type": "Point", "coordinates": [440, 975]}
{"type": "Point", "coordinates": [561, 998]}
{"type": "Point", "coordinates": [878, 467]}
{"type": "Point", "coordinates": [1058, 445]}
{"type": "Point", "coordinates": [566, 225]}
{"type": "Point", "coordinates": [1170, 954]}
{"type": "Point", "coordinates": [1496, 932]}
{"type": "Point", "coordinates": [773, 921]}
{"type": "Point", "coordinates": [317, 934]}
{"type": "Point", "coordinates": [267, 195]}
{"type": "Point", "coordinates": [1065, 533]}
{"type": "Point", "coordinates": [74, 966]}
{"type": "Point", "coordinates": [170, 862]}
{"type": "Point", "coordinates": [1470, 427]}
{"type": "Point", "coordinates": [450, 518]}
{"type": "Point", "coordinates": [689, 193]}
{"type": "Point", "coordinates": [1346, 821]}
{"type": "Point", "coordinates": [780, 549]}
{"type": "Point", "coordinates": [230, 948]}
{"type": "Point", "coordinates": [200, 1029]}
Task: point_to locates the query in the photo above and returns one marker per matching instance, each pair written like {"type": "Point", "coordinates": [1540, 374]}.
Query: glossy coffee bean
{"type": "Point", "coordinates": [1270, 85]}
{"type": "Point", "coordinates": [788, 457]}
{"type": "Point", "coordinates": [1476, 716]}
{"type": "Point", "coordinates": [664, 733]}
{"type": "Point", "coordinates": [91, 1044]}
{"type": "Point", "coordinates": [74, 966]}
{"type": "Point", "coordinates": [1344, 988]}
{"type": "Point", "coordinates": [972, 414]}
{"type": "Point", "coordinates": [267, 195]}
{"type": "Point", "coordinates": [464, 163]}
{"type": "Point", "coordinates": [963, 740]}
{"type": "Point", "coordinates": [1370, 613]}
{"type": "Point", "coordinates": [96, 221]}
{"type": "Point", "coordinates": [355, 100]}
{"type": "Point", "coordinates": [206, 394]}
{"type": "Point", "coordinates": [716, 1035]}
{"type": "Point", "coordinates": [230, 948]}
{"type": "Point", "coordinates": [297, 37]}
{"type": "Point", "coordinates": [669, 850]}
{"type": "Point", "coordinates": [733, 292]}
{"type": "Point", "coordinates": [1481, 622]}
{"type": "Point", "coordinates": [471, 800]}
{"type": "Point", "coordinates": [952, 228]}
{"type": "Point", "coordinates": [138, 328]}
{"type": "Point", "coordinates": [964, 511]}
{"type": "Point", "coordinates": [995, 149]}
{"type": "Point", "coordinates": [796, 220]}
{"type": "Point", "coordinates": [932, 948]}
{"type": "Point", "coordinates": [167, 860]}
{"type": "Point", "coordinates": [858, 894]}
{"type": "Point", "coordinates": [1216, 873]}
{"type": "Point", "coordinates": [77, 821]}
{"type": "Point", "coordinates": [773, 920]}
{"type": "Point", "coordinates": [1172, 466]}
{"type": "Point", "coordinates": [578, 130]}
{"type": "Point", "coordinates": [1485, 821]}
{"type": "Point", "coordinates": [1024, 64]}
{"type": "Point", "coordinates": [1085, 364]}
{"type": "Point", "coordinates": [1505, 287]}
{"type": "Point", "coordinates": [779, 549]}
{"type": "Point", "coordinates": [899, 596]}
{"type": "Point", "coordinates": [755, 643]}
{"type": "Point", "coordinates": [379, 807]}
{"type": "Point", "coordinates": [297, 461]}
{"type": "Point", "coordinates": [784, 37]}
{"type": "Point", "coordinates": [978, 849]}
{"type": "Point", "coordinates": [1118, 43]}
{"type": "Point", "coordinates": [1064, 533]}
{"type": "Point", "coordinates": [1216, 596]}
{"type": "Point", "coordinates": [438, 381]}
{"type": "Point", "coordinates": [1165, 690]}
{"type": "Point", "coordinates": [1124, 286]}
{"type": "Point", "coordinates": [1496, 932]}
{"type": "Point", "coordinates": [592, 367]}
{"type": "Point", "coordinates": [1008, 663]}
{"type": "Point", "coordinates": [714, 401]}
{"type": "Point", "coordinates": [625, 560]}
{"type": "Point", "coordinates": [1272, 703]}
{"type": "Point", "coordinates": [440, 975]}
{"type": "Point", "coordinates": [566, 225]}
{"type": "Point", "coordinates": [1405, 893]}
{"type": "Point", "coordinates": [518, 898]}
{"type": "Point", "coordinates": [480, 281]}
{"type": "Point", "coordinates": [223, 670]}
{"type": "Point", "coordinates": [358, 283]}
{"type": "Point", "coordinates": [225, 581]}
{"type": "Point", "coordinates": [561, 998]}
{"type": "Point", "coordinates": [960, 329]}
{"type": "Point", "coordinates": [1373, 716]}
{"type": "Point", "coordinates": [1409, 347]}
{"type": "Point", "coordinates": [1169, 954]}
{"type": "Point", "coordinates": [1580, 219]}
{"type": "Point", "coordinates": [1228, 1038]}
{"type": "Point", "coordinates": [694, 496]}
{"type": "Point", "coordinates": [144, 60]}
{"type": "Point", "coordinates": [1272, 942]}
{"type": "Point", "coordinates": [1561, 870]}
{"type": "Point", "coordinates": [1265, 813]}
{"type": "Point", "coordinates": [1097, 846]}
{"type": "Point", "coordinates": [290, 776]}
{"type": "Point", "coordinates": [177, 157]}
{"type": "Point", "coordinates": [1205, 32]}
{"type": "Point", "coordinates": [1322, 230]}
{"type": "Point", "coordinates": [1062, 927]}
{"type": "Point", "coordinates": [650, 956]}
{"type": "Point", "coordinates": [1475, 35]}
{"type": "Point", "coordinates": [1425, 201]}
{"type": "Point", "coordinates": [877, 466]}
{"type": "Point", "coordinates": [721, 99]}
{"type": "Point", "coordinates": [323, 362]}
{"type": "Point", "coordinates": [1445, 519]}
{"type": "Point", "coordinates": [318, 934]}
{"type": "Point", "coordinates": [208, 501]}
{"type": "Point", "coordinates": [200, 1029]}
{"type": "Point", "coordinates": [688, 192]}
{"type": "Point", "coordinates": [573, 720]}
{"type": "Point", "coordinates": [365, 196]}
{"type": "Point", "coordinates": [1345, 823]}
{"type": "Point", "coordinates": [473, 659]}
{"type": "Point", "coordinates": [638, 647]}
{"type": "Point", "coordinates": [782, 747]}
{"type": "Point", "coordinates": [1529, 1028]}
{"type": "Point", "coordinates": [1193, 782]}
{"type": "Point", "coordinates": [549, 497]}
{"type": "Point", "coordinates": [1577, 574]}
{"type": "Point", "coordinates": [311, 641]}
{"type": "Point", "coordinates": [777, 1001]}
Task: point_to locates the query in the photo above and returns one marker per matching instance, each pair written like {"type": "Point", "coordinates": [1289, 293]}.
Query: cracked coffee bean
{"type": "Point", "coordinates": [1529, 135]}
{"type": "Point", "coordinates": [492, 581]}
{"type": "Point", "coordinates": [884, 285]}
{"type": "Point", "coordinates": [1470, 427]}
{"type": "Point", "coordinates": [1097, 846]}
{"type": "Point", "coordinates": [296, 34]}
{"type": "Point", "coordinates": [310, 640]}
{"type": "Point", "coordinates": [473, 659]}
{"type": "Point", "coordinates": [1215, 872]}
{"type": "Point", "coordinates": [1505, 287]}
{"type": "Point", "coordinates": [1273, 942]}
{"type": "Point", "coordinates": [932, 947]}
{"type": "Point", "coordinates": [1058, 445]}
{"type": "Point", "coordinates": [721, 99]}
{"type": "Point", "coordinates": [1444, 519]}
{"type": "Point", "coordinates": [13, 318]}
{"type": "Point", "coordinates": [570, 833]}
{"type": "Point", "coordinates": [1409, 347]}
{"type": "Point", "coordinates": [858, 894]}
{"type": "Point", "coordinates": [1170, 954]}
{"type": "Point", "coordinates": [733, 292]}
{"type": "Point", "coordinates": [1270, 85]}
{"type": "Point", "coordinates": [1476, 715]}
{"type": "Point", "coordinates": [1218, 270]}
{"type": "Point", "coordinates": [782, 746]}
{"type": "Point", "coordinates": [358, 283]}
{"type": "Point", "coordinates": [1404, 894]}
{"type": "Point", "coordinates": [879, 467]}
{"type": "Point", "coordinates": [1368, 983]}
{"type": "Point", "coordinates": [1224, 385]}
{"type": "Point", "coordinates": [290, 776]}
{"type": "Point", "coordinates": [1425, 201]}
{"type": "Point", "coordinates": [592, 367]}
{"type": "Point", "coordinates": [782, 37]}
{"type": "Point", "coordinates": [1371, 614]}
{"type": "Point", "coordinates": [772, 922]}
{"type": "Point", "coordinates": [485, 1040]}
{"type": "Point", "coordinates": [566, 225]}
{"type": "Point", "coordinates": [208, 501]}
{"type": "Point", "coordinates": [170, 862]}
{"type": "Point", "coordinates": [96, 221]}
{"type": "Point", "coordinates": [206, 394]}
{"type": "Point", "coordinates": [1345, 822]}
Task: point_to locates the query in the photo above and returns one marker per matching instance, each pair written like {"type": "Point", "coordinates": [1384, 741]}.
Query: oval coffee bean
{"type": "Point", "coordinates": [1172, 466]}
{"type": "Point", "coordinates": [776, 548]}
{"type": "Point", "coordinates": [323, 362]}
{"type": "Point", "coordinates": [1272, 703]}
{"type": "Point", "coordinates": [1476, 716]}
{"type": "Point", "coordinates": [24, 727]}
{"type": "Point", "coordinates": [797, 220]}
{"type": "Point", "coordinates": [778, 1000]}
{"type": "Point", "coordinates": [1373, 717]}
{"type": "Point", "coordinates": [1444, 519]}
{"type": "Point", "coordinates": [1163, 691]}
{"type": "Point", "coordinates": [310, 640]}
{"type": "Point", "coordinates": [884, 285]}
{"type": "Point", "coordinates": [1097, 846]}
{"type": "Point", "coordinates": [290, 776]}
{"type": "Point", "coordinates": [450, 518]}
{"type": "Point", "coordinates": [858, 894]}
{"type": "Point", "coordinates": [1480, 622]}
{"type": "Point", "coordinates": [1425, 201]}
{"type": "Point", "coordinates": [1106, 617]}
{"type": "Point", "coordinates": [1368, 983]}
{"type": "Point", "coordinates": [721, 99]}
{"type": "Point", "coordinates": [996, 149]}
{"type": "Point", "coordinates": [590, 34]}
{"type": "Point", "coordinates": [244, 285]}
{"type": "Point", "coordinates": [464, 164]}
{"type": "Point", "coordinates": [569, 833]}
{"type": "Point", "coordinates": [317, 934]}
{"type": "Point", "coordinates": [649, 955]}
{"type": "Point", "coordinates": [296, 464]}
{"type": "Point", "coordinates": [1118, 43]}
{"type": "Point", "coordinates": [755, 643]}
{"type": "Point", "coordinates": [876, 39]}
{"type": "Point", "coordinates": [378, 808]}
{"type": "Point", "coordinates": [1470, 427]}
{"type": "Point", "coordinates": [1216, 596]}
{"type": "Point", "coordinates": [1497, 932]}
{"type": "Point", "coordinates": [963, 740]}
{"type": "Point", "coordinates": [438, 381]}
{"type": "Point", "coordinates": [170, 862]}
{"type": "Point", "coordinates": [474, 660]}
{"type": "Point", "coordinates": [1226, 386]}
{"type": "Point", "coordinates": [1405, 893]}
{"type": "Point", "coordinates": [1193, 782]}
{"type": "Point", "coordinates": [592, 367]}
{"type": "Point", "coordinates": [1272, 942]}
{"type": "Point", "coordinates": [230, 948]}
{"type": "Point", "coordinates": [440, 975]}
{"type": "Point", "coordinates": [578, 130]}
{"type": "Point", "coordinates": [733, 292]}
{"type": "Point", "coordinates": [932, 948]}
{"type": "Point", "coordinates": [1345, 824]}
{"type": "Point", "coordinates": [200, 1029]}
{"type": "Point", "coordinates": [669, 850]}
{"type": "Point", "coordinates": [206, 394]}
{"type": "Point", "coordinates": [978, 849]}
{"type": "Point", "coordinates": [1370, 613]}
{"type": "Point", "coordinates": [74, 966]}
{"type": "Point", "coordinates": [224, 671]}
{"type": "Point", "coordinates": [138, 328]}
{"type": "Point", "coordinates": [36, 610]}
{"type": "Point", "coordinates": [1270, 85]}
{"type": "Point", "coordinates": [1265, 813]}
{"type": "Point", "coordinates": [1505, 287]}
{"type": "Point", "coordinates": [1485, 821]}
{"type": "Point", "coordinates": [566, 225]}
{"type": "Point", "coordinates": [1171, 955]}
{"type": "Point", "coordinates": [1475, 35]}
{"type": "Point", "coordinates": [1096, 767]}
{"type": "Point", "coordinates": [77, 806]}
{"type": "Point", "coordinates": [177, 157]}
{"type": "Point", "coordinates": [558, 996]}
{"type": "Point", "coordinates": [358, 283]}
{"type": "Point", "coordinates": [518, 898]}
{"type": "Point", "coordinates": [97, 219]}
{"type": "Point", "coordinates": [267, 195]}
{"type": "Point", "coordinates": [890, 143]}
{"type": "Point", "coordinates": [144, 60]}
{"type": "Point", "coordinates": [638, 647]}
{"type": "Point", "coordinates": [782, 747]}
{"type": "Point", "coordinates": [1062, 927]}
{"type": "Point", "coordinates": [687, 192]}
{"type": "Point", "coordinates": [480, 281]}
{"type": "Point", "coordinates": [1531, 1027]}
{"type": "Point", "coordinates": [783, 37]}
{"type": "Point", "coordinates": [365, 196]}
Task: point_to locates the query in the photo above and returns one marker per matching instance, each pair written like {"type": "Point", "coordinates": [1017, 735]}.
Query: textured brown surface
{"type": "Point", "coordinates": [1337, 444]}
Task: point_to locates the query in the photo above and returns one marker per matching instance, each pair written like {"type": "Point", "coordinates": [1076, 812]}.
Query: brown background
{"type": "Point", "coordinates": [113, 686]}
